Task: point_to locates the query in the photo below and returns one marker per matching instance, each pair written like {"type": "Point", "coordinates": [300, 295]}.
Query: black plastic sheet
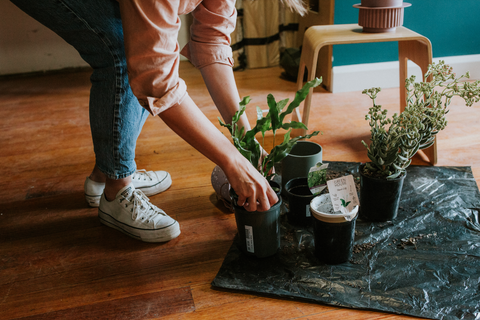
{"type": "Point", "coordinates": [425, 263]}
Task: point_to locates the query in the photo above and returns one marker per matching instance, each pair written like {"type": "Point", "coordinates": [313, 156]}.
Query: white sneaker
{"type": "Point", "coordinates": [132, 213]}
{"type": "Point", "coordinates": [151, 183]}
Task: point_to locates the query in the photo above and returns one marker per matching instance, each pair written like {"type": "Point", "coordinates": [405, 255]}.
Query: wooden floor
{"type": "Point", "coordinates": [58, 262]}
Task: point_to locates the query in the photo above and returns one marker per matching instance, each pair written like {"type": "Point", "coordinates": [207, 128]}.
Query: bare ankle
{"type": "Point", "coordinates": [113, 186]}
{"type": "Point", "coordinates": [97, 175]}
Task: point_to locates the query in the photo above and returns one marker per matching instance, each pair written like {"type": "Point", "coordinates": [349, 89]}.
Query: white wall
{"type": "Point", "coordinates": [386, 74]}
{"type": "Point", "coordinates": [27, 46]}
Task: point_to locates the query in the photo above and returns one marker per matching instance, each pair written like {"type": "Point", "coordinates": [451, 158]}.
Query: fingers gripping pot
{"type": "Point", "coordinates": [259, 231]}
{"type": "Point", "coordinates": [334, 232]}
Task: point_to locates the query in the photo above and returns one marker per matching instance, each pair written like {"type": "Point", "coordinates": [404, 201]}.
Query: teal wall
{"type": "Point", "coordinates": [453, 27]}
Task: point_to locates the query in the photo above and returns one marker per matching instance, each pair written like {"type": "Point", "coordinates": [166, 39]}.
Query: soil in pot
{"type": "Point", "coordinates": [259, 231]}
{"type": "Point", "coordinates": [334, 233]}
{"type": "Point", "coordinates": [299, 198]}
{"type": "Point", "coordinates": [379, 197]}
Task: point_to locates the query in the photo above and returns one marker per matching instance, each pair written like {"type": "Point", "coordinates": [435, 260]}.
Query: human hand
{"type": "Point", "coordinates": [253, 190]}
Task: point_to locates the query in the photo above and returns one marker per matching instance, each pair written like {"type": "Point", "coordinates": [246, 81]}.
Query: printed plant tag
{"type": "Point", "coordinates": [317, 178]}
{"type": "Point", "coordinates": [343, 193]}
{"type": "Point", "coordinates": [249, 239]}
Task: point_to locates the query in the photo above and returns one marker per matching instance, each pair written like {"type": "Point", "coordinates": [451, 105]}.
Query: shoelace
{"type": "Point", "coordinates": [142, 173]}
{"type": "Point", "coordinates": [141, 207]}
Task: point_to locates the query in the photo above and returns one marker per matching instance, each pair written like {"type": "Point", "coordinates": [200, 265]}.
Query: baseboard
{"type": "Point", "coordinates": [386, 74]}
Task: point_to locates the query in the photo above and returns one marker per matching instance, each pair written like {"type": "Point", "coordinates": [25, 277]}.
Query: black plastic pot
{"type": "Point", "coordinates": [379, 198]}
{"type": "Point", "coordinates": [299, 197]}
{"type": "Point", "coordinates": [334, 234]}
{"type": "Point", "coordinates": [259, 232]}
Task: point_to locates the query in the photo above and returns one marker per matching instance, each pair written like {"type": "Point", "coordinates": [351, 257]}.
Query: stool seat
{"type": "Point", "coordinates": [411, 46]}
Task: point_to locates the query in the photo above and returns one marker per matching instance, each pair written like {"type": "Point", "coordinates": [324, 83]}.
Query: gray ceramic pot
{"type": "Point", "coordinates": [303, 156]}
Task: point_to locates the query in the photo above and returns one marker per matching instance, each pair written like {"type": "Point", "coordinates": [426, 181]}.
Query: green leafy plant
{"type": "Point", "coordinates": [395, 140]}
{"type": "Point", "coordinates": [250, 148]}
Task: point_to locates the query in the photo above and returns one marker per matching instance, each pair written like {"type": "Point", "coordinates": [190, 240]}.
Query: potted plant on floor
{"type": "Point", "coordinates": [395, 140]}
{"type": "Point", "coordinates": [259, 231]}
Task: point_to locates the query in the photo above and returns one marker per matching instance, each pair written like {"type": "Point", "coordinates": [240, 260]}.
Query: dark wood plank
{"type": "Point", "coordinates": [145, 306]}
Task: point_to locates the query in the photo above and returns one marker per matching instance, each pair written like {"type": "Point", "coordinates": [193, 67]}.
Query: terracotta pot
{"type": "Point", "coordinates": [377, 16]}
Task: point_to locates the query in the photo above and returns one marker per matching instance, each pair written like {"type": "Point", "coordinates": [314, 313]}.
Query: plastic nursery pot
{"type": "Point", "coordinates": [303, 156]}
{"type": "Point", "coordinates": [334, 233]}
{"type": "Point", "coordinates": [299, 198]}
{"type": "Point", "coordinates": [379, 197]}
{"type": "Point", "coordinates": [259, 232]}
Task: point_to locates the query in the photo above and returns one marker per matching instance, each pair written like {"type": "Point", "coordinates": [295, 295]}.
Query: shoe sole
{"type": "Point", "coordinates": [146, 235]}
{"type": "Point", "coordinates": [94, 201]}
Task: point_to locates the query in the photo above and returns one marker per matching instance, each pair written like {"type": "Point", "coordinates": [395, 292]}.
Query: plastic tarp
{"type": "Point", "coordinates": [425, 263]}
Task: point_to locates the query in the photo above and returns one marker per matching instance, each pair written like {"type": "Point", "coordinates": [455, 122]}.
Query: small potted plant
{"type": "Point", "coordinates": [395, 140]}
{"type": "Point", "coordinates": [333, 231]}
{"type": "Point", "coordinates": [259, 231]}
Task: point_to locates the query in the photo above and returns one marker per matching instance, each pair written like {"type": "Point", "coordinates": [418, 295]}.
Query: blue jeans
{"type": "Point", "coordinates": [94, 29]}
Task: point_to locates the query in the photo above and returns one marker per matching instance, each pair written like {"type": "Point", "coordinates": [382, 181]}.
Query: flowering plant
{"type": "Point", "coordinates": [394, 141]}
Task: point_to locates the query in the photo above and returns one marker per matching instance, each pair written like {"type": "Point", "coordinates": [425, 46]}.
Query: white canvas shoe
{"type": "Point", "coordinates": [132, 213]}
{"type": "Point", "coordinates": [150, 182]}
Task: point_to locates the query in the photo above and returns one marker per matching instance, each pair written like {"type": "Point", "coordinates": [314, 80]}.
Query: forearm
{"type": "Point", "coordinates": [221, 85]}
{"type": "Point", "coordinates": [195, 128]}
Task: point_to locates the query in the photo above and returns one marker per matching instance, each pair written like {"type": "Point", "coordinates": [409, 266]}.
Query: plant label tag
{"type": "Point", "coordinates": [317, 178]}
{"type": "Point", "coordinates": [343, 193]}
{"type": "Point", "coordinates": [249, 239]}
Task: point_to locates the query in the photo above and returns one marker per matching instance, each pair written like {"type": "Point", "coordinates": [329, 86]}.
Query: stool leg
{"type": "Point", "coordinates": [301, 72]}
{"type": "Point", "coordinates": [419, 52]}
{"type": "Point", "coordinates": [296, 116]}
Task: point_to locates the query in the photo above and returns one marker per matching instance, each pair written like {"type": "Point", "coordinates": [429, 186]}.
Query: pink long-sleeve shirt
{"type": "Point", "coordinates": [150, 31]}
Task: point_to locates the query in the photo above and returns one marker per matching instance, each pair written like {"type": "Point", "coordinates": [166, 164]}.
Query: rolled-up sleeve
{"type": "Point", "coordinates": [213, 22]}
{"type": "Point", "coordinates": [150, 33]}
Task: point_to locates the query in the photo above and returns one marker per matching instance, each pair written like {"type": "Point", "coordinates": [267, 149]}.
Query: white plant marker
{"type": "Point", "coordinates": [343, 193]}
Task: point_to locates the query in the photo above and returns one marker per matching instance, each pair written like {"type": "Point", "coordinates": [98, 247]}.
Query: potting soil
{"type": "Point", "coordinates": [425, 263]}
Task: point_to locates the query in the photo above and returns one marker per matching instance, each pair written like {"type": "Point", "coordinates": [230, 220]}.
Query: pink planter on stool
{"type": "Point", "coordinates": [377, 16]}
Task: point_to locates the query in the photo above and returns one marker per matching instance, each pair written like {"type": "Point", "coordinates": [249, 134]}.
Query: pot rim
{"type": "Point", "coordinates": [328, 217]}
{"type": "Point", "coordinates": [242, 210]}
{"type": "Point", "coordinates": [360, 171]}
{"type": "Point", "coordinates": [306, 155]}
{"type": "Point", "coordinates": [404, 5]}
{"type": "Point", "coordinates": [288, 187]}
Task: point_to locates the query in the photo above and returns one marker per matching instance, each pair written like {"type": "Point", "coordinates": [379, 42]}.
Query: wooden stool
{"type": "Point", "coordinates": [411, 46]}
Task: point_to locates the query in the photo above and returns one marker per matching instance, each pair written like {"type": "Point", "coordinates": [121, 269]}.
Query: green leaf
{"type": "Point", "coordinates": [281, 104]}
{"type": "Point", "coordinates": [294, 125]}
{"type": "Point", "coordinates": [273, 113]}
{"type": "Point", "coordinates": [300, 96]}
